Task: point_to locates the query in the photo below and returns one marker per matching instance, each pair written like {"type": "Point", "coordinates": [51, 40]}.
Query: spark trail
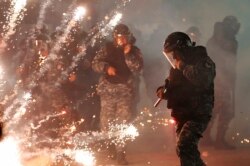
{"type": "Point", "coordinates": [15, 16]}
{"type": "Point", "coordinates": [42, 12]}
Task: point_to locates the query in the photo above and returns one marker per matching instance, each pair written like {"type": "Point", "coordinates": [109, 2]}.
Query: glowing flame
{"type": "Point", "coordinates": [85, 157]}
{"type": "Point", "coordinates": [79, 13]}
{"type": "Point", "coordinates": [172, 121]}
{"type": "Point", "coordinates": [9, 152]}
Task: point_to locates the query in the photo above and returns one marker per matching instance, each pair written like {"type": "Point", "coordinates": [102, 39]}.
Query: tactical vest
{"type": "Point", "coordinates": [116, 59]}
{"type": "Point", "coordinates": [181, 93]}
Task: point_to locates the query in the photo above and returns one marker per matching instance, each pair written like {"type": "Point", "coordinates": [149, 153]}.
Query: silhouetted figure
{"type": "Point", "coordinates": [222, 47]}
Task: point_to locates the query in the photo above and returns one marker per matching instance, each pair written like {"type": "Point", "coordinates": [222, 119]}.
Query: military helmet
{"type": "Point", "coordinates": [230, 20]}
{"type": "Point", "coordinates": [121, 29]}
{"type": "Point", "coordinates": [177, 40]}
{"type": "Point", "coordinates": [231, 23]}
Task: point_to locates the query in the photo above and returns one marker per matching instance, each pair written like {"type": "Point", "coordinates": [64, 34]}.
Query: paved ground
{"type": "Point", "coordinates": [157, 148]}
{"type": "Point", "coordinates": [239, 157]}
{"type": "Point", "coordinates": [153, 150]}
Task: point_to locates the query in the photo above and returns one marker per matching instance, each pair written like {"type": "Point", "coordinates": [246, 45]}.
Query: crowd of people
{"type": "Point", "coordinates": [103, 88]}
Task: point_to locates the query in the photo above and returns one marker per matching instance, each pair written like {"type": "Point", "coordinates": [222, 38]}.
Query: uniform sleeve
{"type": "Point", "coordinates": [134, 60]}
{"type": "Point", "coordinates": [201, 74]}
{"type": "Point", "coordinates": [99, 63]}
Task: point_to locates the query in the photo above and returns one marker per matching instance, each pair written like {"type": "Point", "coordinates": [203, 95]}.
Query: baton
{"type": "Point", "coordinates": [159, 99]}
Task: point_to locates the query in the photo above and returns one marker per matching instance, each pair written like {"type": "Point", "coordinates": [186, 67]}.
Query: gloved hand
{"type": "Point", "coordinates": [160, 92]}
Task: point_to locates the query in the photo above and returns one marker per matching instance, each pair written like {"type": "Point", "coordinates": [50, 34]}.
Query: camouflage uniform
{"type": "Point", "coordinates": [116, 91]}
{"type": "Point", "coordinates": [50, 98]}
{"type": "Point", "coordinates": [190, 95]}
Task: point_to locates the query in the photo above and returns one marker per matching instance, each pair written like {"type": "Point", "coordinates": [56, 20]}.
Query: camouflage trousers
{"type": "Point", "coordinates": [224, 103]}
{"type": "Point", "coordinates": [51, 102]}
{"type": "Point", "coordinates": [116, 101]}
{"type": "Point", "coordinates": [223, 109]}
{"type": "Point", "coordinates": [188, 136]}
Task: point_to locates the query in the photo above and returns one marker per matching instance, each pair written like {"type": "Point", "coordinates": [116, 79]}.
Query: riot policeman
{"type": "Point", "coordinates": [189, 91]}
